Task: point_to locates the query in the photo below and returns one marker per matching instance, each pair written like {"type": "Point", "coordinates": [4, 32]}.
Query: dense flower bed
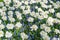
{"type": "Point", "coordinates": [30, 20]}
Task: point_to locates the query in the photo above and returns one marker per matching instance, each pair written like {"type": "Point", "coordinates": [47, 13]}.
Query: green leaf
{"type": "Point", "coordinates": [1, 0]}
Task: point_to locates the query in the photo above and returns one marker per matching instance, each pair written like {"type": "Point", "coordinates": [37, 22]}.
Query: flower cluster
{"type": "Point", "coordinates": [29, 20]}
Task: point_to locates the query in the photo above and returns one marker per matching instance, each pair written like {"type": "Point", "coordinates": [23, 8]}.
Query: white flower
{"type": "Point", "coordinates": [17, 4]}
{"type": "Point", "coordinates": [8, 34]}
{"type": "Point", "coordinates": [1, 4]}
{"type": "Point", "coordinates": [0, 21]}
{"type": "Point", "coordinates": [43, 26]}
{"type": "Point", "coordinates": [50, 21]}
{"type": "Point", "coordinates": [1, 10]}
{"type": "Point", "coordinates": [58, 15]}
{"type": "Point", "coordinates": [1, 33]}
{"type": "Point", "coordinates": [56, 21]}
{"type": "Point", "coordinates": [7, 1]}
{"type": "Point", "coordinates": [4, 17]}
{"type": "Point", "coordinates": [45, 1]}
{"type": "Point", "coordinates": [26, 2]}
{"type": "Point", "coordinates": [18, 25]}
{"type": "Point", "coordinates": [44, 5]}
{"type": "Point", "coordinates": [40, 17]}
{"type": "Point", "coordinates": [10, 13]}
{"type": "Point", "coordinates": [40, 10]}
{"type": "Point", "coordinates": [46, 38]}
{"type": "Point", "coordinates": [11, 19]}
{"type": "Point", "coordinates": [24, 36]}
{"type": "Point", "coordinates": [2, 26]}
{"type": "Point", "coordinates": [44, 15]}
{"type": "Point", "coordinates": [3, 14]}
{"type": "Point", "coordinates": [47, 29]}
{"type": "Point", "coordinates": [43, 33]}
{"type": "Point", "coordinates": [56, 5]}
{"type": "Point", "coordinates": [32, 13]}
{"type": "Point", "coordinates": [18, 15]}
{"type": "Point", "coordinates": [51, 10]}
{"type": "Point", "coordinates": [4, 8]}
{"type": "Point", "coordinates": [26, 12]}
{"type": "Point", "coordinates": [22, 7]}
{"type": "Point", "coordinates": [11, 8]}
{"type": "Point", "coordinates": [30, 19]}
{"type": "Point", "coordinates": [57, 31]}
{"type": "Point", "coordinates": [54, 38]}
{"type": "Point", "coordinates": [49, 6]}
{"type": "Point", "coordinates": [10, 26]}
{"type": "Point", "coordinates": [36, 7]}
{"type": "Point", "coordinates": [34, 27]}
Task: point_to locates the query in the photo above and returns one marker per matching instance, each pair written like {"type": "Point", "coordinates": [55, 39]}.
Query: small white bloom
{"type": "Point", "coordinates": [0, 21]}
{"type": "Point", "coordinates": [43, 26]}
{"type": "Point", "coordinates": [18, 14]}
{"type": "Point", "coordinates": [7, 1]}
{"type": "Point", "coordinates": [1, 4]}
{"type": "Point", "coordinates": [47, 29]}
{"type": "Point", "coordinates": [11, 8]}
{"type": "Point", "coordinates": [22, 7]}
{"type": "Point", "coordinates": [36, 7]}
{"type": "Point", "coordinates": [3, 13]}
{"type": "Point", "coordinates": [11, 19]}
{"type": "Point", "coordinates": [44, 5]}
{"type": "Point", "coordinates": [40, 17]}
{"type": "Point", "coordinates": [8, 34]}
{"type": "Point", "coordinates": [30, 19]}
{"type": "Point", "coordinates": [24, 36]}
{"type": "Point", "coordinates": [4, 8]}
{"type": "Point", "coordinates": [57, 31]}
{"type": "Point", "coordinates": [10, 26]}
{"type": "Point", "coordinates": [10, 13]}
{"type": "Point", "coordinates": [32, 13]}
{"type": "Point", "coordinates": [50, 21]}
{"type": "Point", "coordinates": [40, 10]}
{"type": "Point", "coordinates": [43, 33]}
{"type": "Point", "coordinates": [17, 4]}
{"type": "Point", "coordinates": [1, 33]}
{"type": "Point", "coordinates": [44, 15]}
{"type": "Point", "coordinates": [58, 15]}
{"type": "Point", "coordinates": [26, 12]}
{"type": "Point", "coordinates": [49, 6]}
{"type": "Point", "coordinates": [1, 10]}
{"type": "Point", "coordinates": [51, 10]}
{"type": "Point", "coordinates": [18, 25]}
{"type": "Point", "coordinates": [46, 38]}
{"type": "Point", "coordinates": [34, 27]}
{"type": "Point", "coordinates": [54, 38]}
{"type": "Point", "coordinates": [56, 21]}
{"type": "Point", "coordinates": [4, 17]}
{"type": "Point", "coordinates": [2, 26]}
{"type": "Point", "coordinates": [26, 2]}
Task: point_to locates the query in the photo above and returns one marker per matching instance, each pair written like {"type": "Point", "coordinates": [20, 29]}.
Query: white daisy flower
{"type": "Point", "coordinates": [10, 26]}
{"type": "Point", "coordinates": [1, 4]}
{"type": "Point", "coordinates": [0, 21]}
{"type": "Point", "coordinates": [8, 34]}
{"type": "Point", "coordinates": [1, 33]}
{"type": "Point", "coordinates": [18, 25]}
{"type": "Point", "coordinates": [24, 36]}
{"type": "Point", "coordinates": [58, 15]}
{"type": "Point", "coordinates": [51, 10]}
{"type": "Point", "coordinates": [4, 17]}
{"type": "Point", "coordinates": [30, 19]}
{"type": "Point", "coordinates": [34, 27]}
{"type": "Point", "coordinates": [2, 26]}
{"type": "Point", "coordinates": [57, 31]}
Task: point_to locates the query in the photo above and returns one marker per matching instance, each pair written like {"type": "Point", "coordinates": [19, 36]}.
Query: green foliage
{"type": "Point", "coordinates": [1, 0]}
